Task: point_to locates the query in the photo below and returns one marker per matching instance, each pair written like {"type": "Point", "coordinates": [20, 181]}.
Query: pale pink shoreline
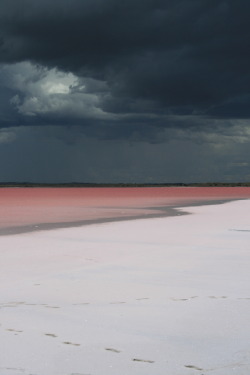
{"type": "Point", "coordinates": [157, 296]}
{"type": "Point", "coordinates": [34, 208]}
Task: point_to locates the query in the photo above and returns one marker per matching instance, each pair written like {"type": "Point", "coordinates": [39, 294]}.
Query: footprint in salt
{"type": "Point", "coordinates": [113, 350]}
{"type": "Point", "coordinates": [218, 297]}
{"type": "Point", "coordinates": [50, 335]}
{"type": "Point", "coordinates": [13, 330]}
{"type": "Point", "coordinates": [194, 367]}
{"type": "Point", "coordinates": [141, 299]}
{"type": "Point", "coordinates": [52, 307]}
{"type": "Point", "coordinates": [142, 360]}
{"type": "Point", "coordinates": [70, 343]}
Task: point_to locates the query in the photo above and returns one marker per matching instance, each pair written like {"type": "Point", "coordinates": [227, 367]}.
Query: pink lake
{"type": "Point", "coordinates": [20, 207]}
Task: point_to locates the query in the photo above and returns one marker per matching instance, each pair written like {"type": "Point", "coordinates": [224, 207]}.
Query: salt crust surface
{"type": "Point", "coordinates": [155, 296]}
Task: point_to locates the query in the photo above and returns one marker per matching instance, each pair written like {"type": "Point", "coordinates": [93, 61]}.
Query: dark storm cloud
{"type": "Point", "coordinates": [40, 154]}
{"type": "Point", "coordinates": [156, 58]}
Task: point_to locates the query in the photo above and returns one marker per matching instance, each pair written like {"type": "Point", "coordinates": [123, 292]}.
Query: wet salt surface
{"type": "Point", "coordinates": [157, 296]}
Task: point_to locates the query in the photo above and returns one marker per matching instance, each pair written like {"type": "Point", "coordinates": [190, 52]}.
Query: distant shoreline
{"type": "Point", "coordinates": [122, 185]}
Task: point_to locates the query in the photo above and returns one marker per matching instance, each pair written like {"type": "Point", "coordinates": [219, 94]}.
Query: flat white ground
{"type": "Point", "coordinates": [168, 296]}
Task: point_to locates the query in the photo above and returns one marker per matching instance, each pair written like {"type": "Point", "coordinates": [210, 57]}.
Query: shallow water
{"type": "Point", "coordinates": [31, 209]}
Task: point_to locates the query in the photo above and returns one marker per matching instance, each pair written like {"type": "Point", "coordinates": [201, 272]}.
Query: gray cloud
{"type": "Point", "coordinates": [134, 90]}
{"type": "Point", "coordinates": [51, 93]}
{"type": "Point", "coordinates": [162, 57]}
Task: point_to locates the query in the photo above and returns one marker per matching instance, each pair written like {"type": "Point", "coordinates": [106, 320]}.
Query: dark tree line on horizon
{"type": "Point", "coordinates": [90, 185]}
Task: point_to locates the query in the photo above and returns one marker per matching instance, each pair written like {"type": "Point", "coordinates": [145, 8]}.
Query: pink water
{"type": "Point", "coordinates": [27, 206]}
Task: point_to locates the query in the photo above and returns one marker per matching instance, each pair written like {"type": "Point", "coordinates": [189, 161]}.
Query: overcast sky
{"type": "Point", "coordinates": [124, 90]}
